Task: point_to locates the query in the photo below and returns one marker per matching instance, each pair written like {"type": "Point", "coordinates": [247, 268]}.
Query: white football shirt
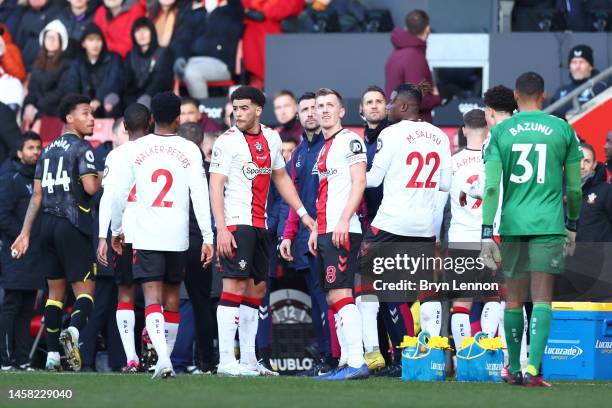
{"type": "Point", "coordinates": [415, 159]}
{"type": "Point", "coordinates": [466, 222]}
{"type": "Point", "coordinates": [335, 159]}
{"type": "Point", "coordinates": [247, 161]}
{"type": "Point", "coordinates": [167, 171]}
{"type": "Point", "coordinates": [112, 175]}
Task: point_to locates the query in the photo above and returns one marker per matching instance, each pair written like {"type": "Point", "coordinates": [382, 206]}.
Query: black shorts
{"type": "Point", "coordinates": [251, 259]}
{"type": "Point", "coordinates": [468, 270]}
{"type": "Point", "coordinates": [377, 242]}
{"type": "Point", "coordinates": [122, 264]}
{"type": "Point", "coordinates": [67, 253]}
{"type": "Point", "coordinates": [164, 266]}
{"type": "Point", "coordinates": [338, 265]}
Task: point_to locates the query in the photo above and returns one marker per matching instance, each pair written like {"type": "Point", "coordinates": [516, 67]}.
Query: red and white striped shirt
{"type": "Point", "coordinates": [336, 157]}
{"type": "Point", "coordinates": [247, 161]}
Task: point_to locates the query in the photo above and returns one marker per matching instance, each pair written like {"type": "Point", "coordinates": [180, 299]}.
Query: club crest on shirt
{"type": "Point", "coordinates": [242, 264]}
{"type": "Point", "coordinates": [591, 198]}
{"type": "Point", "coordinates": [379, 145]}
{"type": "Point", "coordinates": [356, 147]}
{"type": "Point", "coordinates": [258, 147]}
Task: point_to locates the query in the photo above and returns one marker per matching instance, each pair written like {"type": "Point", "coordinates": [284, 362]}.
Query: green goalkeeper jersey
{"type": "Point", "coordinates": [533, 148]}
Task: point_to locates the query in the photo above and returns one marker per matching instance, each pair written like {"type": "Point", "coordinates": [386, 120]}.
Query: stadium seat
{"type": "Point", "coordinates": [50, 128]}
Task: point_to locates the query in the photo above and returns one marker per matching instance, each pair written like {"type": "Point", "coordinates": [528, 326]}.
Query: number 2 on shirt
{"type": "Point", "coordinates": [159, 201]}
{"type": "Point", "coordinates": [431, 156]}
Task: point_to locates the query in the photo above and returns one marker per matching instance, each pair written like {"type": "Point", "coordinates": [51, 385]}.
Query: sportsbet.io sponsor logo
{"type": "Point", "coordinates": [252, 170]}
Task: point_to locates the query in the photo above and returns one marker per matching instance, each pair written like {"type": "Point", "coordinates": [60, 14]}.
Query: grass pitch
{"type": "Point", "coordinates": [118, 391]}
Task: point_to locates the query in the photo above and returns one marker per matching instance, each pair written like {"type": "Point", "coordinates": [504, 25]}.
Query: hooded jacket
{"type": "Point", "coordinates": [15, 192]}
{"type": "Point", "coordinates": [11, 62]}
{"type": "Point", "coordinates": [75, 26]}
{"type": "Point", "coordinates": [584, 97]}
{"type": "Point", "coordinates": [95, 80]}
{"type": "Point", "coordinates": [595, 223]}
{"type": "Point", "coordinates": [147, 73]}
{"type": "Point", "coordinates": [44, 87]}
{"type": "Point", "coordinates": [32, 23]}
{"type": "Point", "coordinates": [117, 29]}
{"type": "Point", "coordinates": [408, 63]}
{"type": "Point", "coordinates": [373, 196]}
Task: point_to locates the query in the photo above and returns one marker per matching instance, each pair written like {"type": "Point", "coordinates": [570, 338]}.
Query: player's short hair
{"type": "Point", "coordinates": [27, 136]}
{"type": "Point", "coordinates": [192, 132]}
{"type": "Point", "coordinates": [411, 91]}
{"type": "Point", "coordinates": [69, 103]}
{"type": "Point", "coordinates": [329, 91]}
{"type": "Point", "coordinates": [165, 107]}
{"type": "Point", "coordinates": [137, 117]}
{"type": "Point", "coordinates": [373, 88]}
{"type": "Point", "coordinates": [283, 92]}
{"type": "Point", "coordinates": [475, 119]}
{"type": "Point", "coordinates": [530, 84]}
{"type": "Point", "coordinates": [588, 147]}
{"type": "Point", "coordinates": [251, 93]}
{"type": "Point", "coordinates": [501, 99]}
{"type": "Point", "coordinates": [417, 21]}
{"type": "Point", "coordinates": [288, 139]}
{"type": "Point", "coordinates": [188, 100]}
{"type": "Point", "coordinates": [306, 96]}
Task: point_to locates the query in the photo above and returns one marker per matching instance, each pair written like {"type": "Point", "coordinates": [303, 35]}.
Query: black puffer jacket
{"type": "Point", "coordinates": [45, 89]}
{"type": "Point", "coordinates": [15, 193]}
{"type": "Point", "coordinates": [595, 224]}
{"type": "Point", "coordinates": [96, 80]}
{"type": "Point", "coordinates": [147, 73]}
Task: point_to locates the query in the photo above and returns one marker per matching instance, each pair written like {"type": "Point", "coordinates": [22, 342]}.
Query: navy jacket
{"type": "Point", "coordinates": [300, 168]}
{"type": "Point", "coordinates": [32, 23]}
{"type": "Point", "coordinates": [214, 35]}
{"type": "Point", "coordinates": [595, 224]}
{"type": "Point", "coordinates": [15, 192]}
{"type": "Point", "coordinates": [373, 196]}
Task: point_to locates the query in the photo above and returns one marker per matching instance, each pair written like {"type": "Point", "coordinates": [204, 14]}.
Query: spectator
{"type": "Point", "coordinates": [581, 70]}
{"type": "Point", "coordinates": [12, 91]}
{"type": "Point", "coordinates": [76, 16]}
{"type": "Point", "coordinates": [285, 110]}
{"type": "Point", "coordinates": [115, 19]}
{"type": "Point", "coordinates": [208, 54]}
{"type": "Point", "coordinates": [608, 151]}
{"type": "Point", "coordinates": [595, 224]}
{"type": "Point", "coordinates": [164, 14]}
{"type": "Point", "coordinates": [37, 15]}
{"type": "Point", "coordinates": [148, 67]}
{"type": "Point", "coordinates": [50, 67]}
{"type": "Point", "coordinates": [407, 62]}
{"type": "Point", "coordinates": [20, 278]}
{"type": "Point", "coordinates": [96, 73]}
{"type": "Point", "coordinates": [10, 14]}
{"type": "Point", "coordinates": [190, 112]}
{"type": "Point", "coordinates": [263, 17]}
{"type": "Point", "coordinates": [207, 144]}
{"type": "Point", "coordinates": [10, 56]}
{"type": "Point", "coordinates": [228, 116]}
{"type": "Point", "coordinates": [10, 136]}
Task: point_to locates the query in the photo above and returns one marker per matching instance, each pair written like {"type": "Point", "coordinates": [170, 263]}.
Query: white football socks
{"type": "Point", "coordinates": [431, 317]}
{"type": "Point", "coordinates": [460, 327]}
{"type": "Point", "coordinates": [352, 330]}
{"type": "Point", "coordinates": [227, 324]}
{"type": "Point", "coordinates": [247, 332]}
{"type": "Point", "coordinates": [368, 308]}
{"type": "Point", "coordinates": [125, 323]}
{"type": "Point", "coordinates": [490, 317]}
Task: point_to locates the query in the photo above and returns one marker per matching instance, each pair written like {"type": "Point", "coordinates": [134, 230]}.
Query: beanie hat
{"type": "Point", "coordinates": [581, 51]}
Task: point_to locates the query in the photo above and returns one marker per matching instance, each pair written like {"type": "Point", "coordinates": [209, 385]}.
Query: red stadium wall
{"type": "Point", "coordinates": [593, 127]}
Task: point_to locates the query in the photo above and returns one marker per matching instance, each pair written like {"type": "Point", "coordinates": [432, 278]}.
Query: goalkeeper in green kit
{"type": "Point", "coordinates": [530, 153]}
